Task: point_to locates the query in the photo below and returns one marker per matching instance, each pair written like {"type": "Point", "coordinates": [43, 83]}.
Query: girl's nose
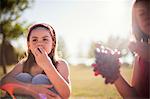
{"type": "Point", "coordinates": [39, 44]}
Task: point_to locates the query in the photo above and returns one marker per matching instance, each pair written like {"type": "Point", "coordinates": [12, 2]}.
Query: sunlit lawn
{"type": "Point", "coordinates": [86, 86]}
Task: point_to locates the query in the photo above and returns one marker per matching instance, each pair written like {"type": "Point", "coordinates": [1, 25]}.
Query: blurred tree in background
{"type": "Point", "coordinates": [112, 42]}
{"type": "Point", "coordinates": [118, 43]}
{"type": "Point", "coordinates": [10, 28]}
{"type": "Point", "coordinates": [115, 42]}
{"type": "Point", "coordinates": [91, 51]}
{"type": "Point", "coordinates": [61, 48]}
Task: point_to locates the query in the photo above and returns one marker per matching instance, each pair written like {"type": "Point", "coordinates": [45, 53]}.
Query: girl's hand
{"type": "Point", "coordinates": [41, 57]}
{"type": "Point", "coordinates": [43, 96]}
{"type": "Point", "coordinates": [42, 89]}
{"type": "Point", "coordinates": [43, 92]}
{"type": "Point", "coordinates": [141, 48]}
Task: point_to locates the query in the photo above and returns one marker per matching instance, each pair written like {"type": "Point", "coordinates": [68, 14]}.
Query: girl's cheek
{"type": "Point", "coordinates": [32, 50]}
{"type": "Point", "coordinates": [48, 50]}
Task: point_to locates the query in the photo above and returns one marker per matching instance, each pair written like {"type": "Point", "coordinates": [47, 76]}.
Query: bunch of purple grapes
{"type": "Point", "coordinates": [107, 63]}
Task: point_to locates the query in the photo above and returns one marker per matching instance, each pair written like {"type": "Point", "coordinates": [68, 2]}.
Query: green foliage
{"type": "Point", "coordinates": [10, 28]}
{"type": "Point", "coordinates": [12, 31]}
{"type": "Point", "coordinates": [10, 11]}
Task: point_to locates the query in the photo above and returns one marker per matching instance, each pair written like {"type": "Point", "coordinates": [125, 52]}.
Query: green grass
{"type": "Point", "coordinates": [86, 86]}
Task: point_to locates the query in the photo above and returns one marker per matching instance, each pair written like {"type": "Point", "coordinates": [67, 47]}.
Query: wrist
{"type": "Point", "coordinates": [112, 79]}
{"type": "Point", "coordinates": [118, 79]}
{"type": "Point", "coordinates": [48, 66]}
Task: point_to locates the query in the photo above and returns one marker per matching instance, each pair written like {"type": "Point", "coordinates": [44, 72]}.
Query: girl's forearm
{"type": "Point", "coordinates": [125, 90]}
{"type": "Point", "coordinates": [58, 81]}
{"type": "Point", "coordinates": [18, 87]}
{"type": "Point", "coordinates": [6, 80]}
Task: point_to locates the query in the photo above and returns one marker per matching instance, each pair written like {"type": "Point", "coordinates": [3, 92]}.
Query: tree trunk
{"type": "Point", "coordinates": [3, 57]}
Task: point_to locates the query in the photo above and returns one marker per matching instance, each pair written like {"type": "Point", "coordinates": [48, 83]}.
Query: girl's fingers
{"type": "Point", "coordinates": [35, 53]}
{"type": "Point", "coordinates": [52, 94]}
{"type": "Point", "coordinates": [141, 48]}
{"type": "Point", "coordinates": [42, 50]}
{"type": "Point", "coordinates": [39, 50]}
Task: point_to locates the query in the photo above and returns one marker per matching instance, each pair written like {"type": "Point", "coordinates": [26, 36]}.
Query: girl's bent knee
{"type": "Point", "coordinates": [40, 79]}
{"type": "Point", "coordinates": [24, 77]}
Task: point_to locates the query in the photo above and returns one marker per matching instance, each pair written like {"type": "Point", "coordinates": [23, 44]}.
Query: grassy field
{"type": "Point", "coordinates": [86, 86]}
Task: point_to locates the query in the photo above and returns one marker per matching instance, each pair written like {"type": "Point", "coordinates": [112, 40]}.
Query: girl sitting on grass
{"type": "Point", "coordinates": [42, 73]}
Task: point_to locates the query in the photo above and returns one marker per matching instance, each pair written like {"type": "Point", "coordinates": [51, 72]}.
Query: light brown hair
{"type": "Point", "coordinates": [137, 32]}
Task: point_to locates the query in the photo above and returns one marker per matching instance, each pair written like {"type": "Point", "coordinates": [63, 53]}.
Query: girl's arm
{"type": "Point", "coordinates": [21, 87]}
{"type": "Point", "coordinates": [125, 90]}
{"type": "Point", "coordinates": [141, 48]}
{"type": "Point", "coordinates": [60, 78]}
{"type": "Point", "coordinates": [10, 78]}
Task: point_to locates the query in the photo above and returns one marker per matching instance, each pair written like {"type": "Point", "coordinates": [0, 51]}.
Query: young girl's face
{"type": "Point", "coordinates": [143, 16]}
{"type": "Point", "coordinates": [40, 38]}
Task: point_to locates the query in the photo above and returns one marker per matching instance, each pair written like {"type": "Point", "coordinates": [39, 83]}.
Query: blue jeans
{"type": "Point", "coordinates": [38, 79]}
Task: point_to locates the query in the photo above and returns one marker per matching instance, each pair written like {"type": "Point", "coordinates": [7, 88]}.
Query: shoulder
{"type": "Point", "coordinates": [63, 69]}
{"type": "Point", "coordinates": [62, 65]}
{"type": "Point", "coordinates": [18, 66]}
{"type": "Point", "coordinates": [61, 61]}
{"type": "Point", "coordinates": [16, 70]}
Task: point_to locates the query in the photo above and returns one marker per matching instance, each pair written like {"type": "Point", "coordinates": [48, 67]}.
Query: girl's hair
{"type": "Point", "coordinates": [137, 32]}
{"type": "Point", "coordinates": [30, 61]}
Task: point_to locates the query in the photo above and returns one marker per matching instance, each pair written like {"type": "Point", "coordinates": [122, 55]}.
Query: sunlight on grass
{"type": "Point", "coordinates": [86, 85]}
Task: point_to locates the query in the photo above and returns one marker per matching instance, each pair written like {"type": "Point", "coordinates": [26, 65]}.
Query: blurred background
{"type": "Point", "coordinates": [79, 24]}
